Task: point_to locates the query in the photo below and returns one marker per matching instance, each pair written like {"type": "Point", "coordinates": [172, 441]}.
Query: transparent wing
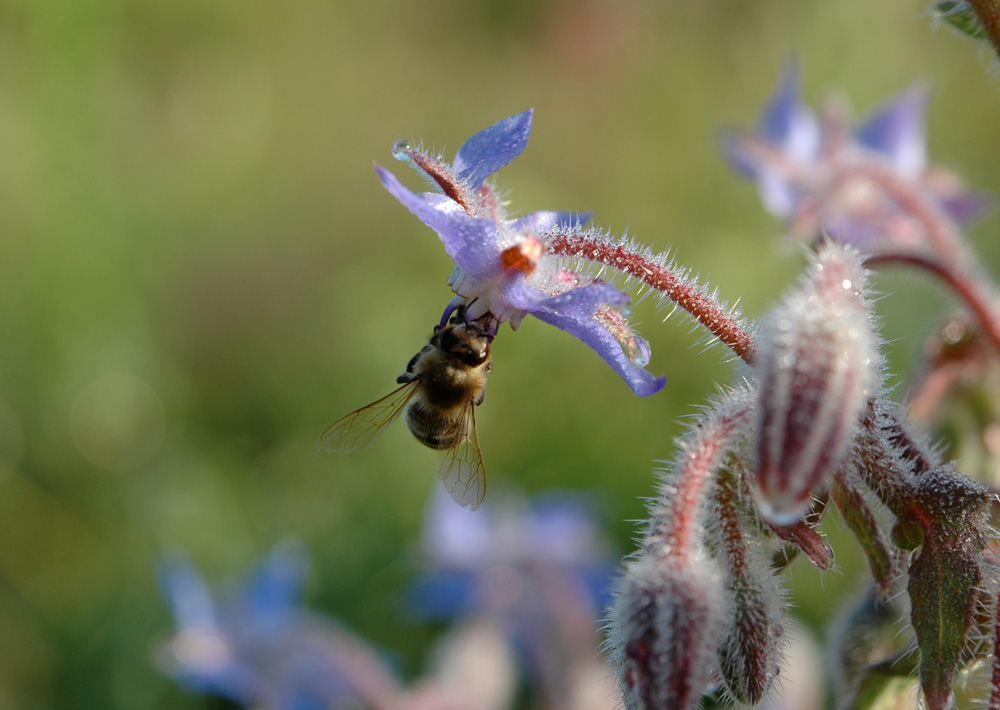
{"type": "Point", "coordinates": [461, 467]}
{"type": "Point", "coordinates": [361, 429]}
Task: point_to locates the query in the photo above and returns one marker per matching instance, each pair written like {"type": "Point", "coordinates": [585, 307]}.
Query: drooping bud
{"type": "Point", "coordinates": [671, 609]}
{"type": "Point", "coordinates": [666, 625]}
{"type": "Point", "coordinates": [815, 370]}
{"type": "Point", "coordinates": [750, 652]}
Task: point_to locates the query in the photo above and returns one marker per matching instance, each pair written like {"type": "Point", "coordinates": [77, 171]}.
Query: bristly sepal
{"type": "Point", "coordinates": [884, 560]}
{"type": "Point", "coordinates": [816, 367]}
{"type": "Point", "coordinates": [946, 575]}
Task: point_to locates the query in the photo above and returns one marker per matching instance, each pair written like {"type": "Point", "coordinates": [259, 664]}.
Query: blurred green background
{"type": "Point", "coordinates": [200, 272]}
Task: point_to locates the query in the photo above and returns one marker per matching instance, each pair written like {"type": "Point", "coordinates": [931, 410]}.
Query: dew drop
{"type": "Point", "coordinates": [640, 353]}
{"type": "Point", "coordinates": [401, 149]}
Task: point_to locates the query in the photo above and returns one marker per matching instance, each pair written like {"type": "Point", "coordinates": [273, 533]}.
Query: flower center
{"type": "Point", "coordinates": [524, 256]}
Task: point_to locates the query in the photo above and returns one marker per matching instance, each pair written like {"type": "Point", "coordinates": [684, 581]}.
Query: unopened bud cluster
{"type": "Point", "coordinates": [702, 600]}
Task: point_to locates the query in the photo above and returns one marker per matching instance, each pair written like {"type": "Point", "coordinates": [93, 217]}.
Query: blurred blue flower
{"type": "Point", "coordinates": [866, 186]}
{"type": "Point", "coordinates": [258, 648]}
{"type": "Point", "coordinates": [791, 129]}
{"type": "Point", "coordinates": [539, 570]}
{"type": "Point", "coordinates": [518, 561]}
{"type": "Point", "coordinates": [503, 268]}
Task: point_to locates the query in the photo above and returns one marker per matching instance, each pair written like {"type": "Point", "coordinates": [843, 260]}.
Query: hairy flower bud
{"type": "Point", "coordinates": [671, 608]}
{"type": "Point", "coordinates": [750, 653]}
{"type": "Point", "coordinates": [666, 624]}
{"type": "Point", "coordinates": [814, 371]}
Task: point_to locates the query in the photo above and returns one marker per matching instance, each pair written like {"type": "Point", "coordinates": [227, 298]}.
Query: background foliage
{"type": "Point", "coordinates": [200, 272]}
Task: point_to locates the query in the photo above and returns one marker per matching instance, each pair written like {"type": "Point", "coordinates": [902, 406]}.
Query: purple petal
{"type": "Point", "coordinates": [865, 235]}
{"type": "Point", "coordinates": [732, 145]}
{"type": "Point", "coordinates": [454, 536]}
{"type": "Point", "coordinates": [492, 148]}
{"type": "Point", "coordinates": [564, 531]}
{"type": "Point", "coordinates": [274, 591]}
{"type": "Point", "coordinates": [778, 194]}
{"type": "Point", "coordinates": [790, 123]}
{"type": "Point", "coordinates": [540, 222]}
{"type": "Point", "coordinates": [443, 595]}
{"type": "Point", "coordinates": [186, 593]}
{"type": "Point", "coordinates": [471, 243]}
{"type": "Point", "coordinates": [897, 131]}
{"type": "Point", "coordinates": [967, 206]}
{"type": "Point", "coordinates": [573, 312]}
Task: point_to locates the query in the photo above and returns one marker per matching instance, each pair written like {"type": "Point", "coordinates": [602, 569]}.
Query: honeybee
{"type": "Point", "coordinates": [441, 388]}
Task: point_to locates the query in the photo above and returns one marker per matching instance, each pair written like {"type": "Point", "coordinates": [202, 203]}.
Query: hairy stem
{"type": "Point", "coordinates": [988, 12]}
{"type": "Point", "coordinates": [662, 279]}
{"type": "Point", "coordinates": [971, 290]}
{"type": "Point", "coordinates": [678, 518]}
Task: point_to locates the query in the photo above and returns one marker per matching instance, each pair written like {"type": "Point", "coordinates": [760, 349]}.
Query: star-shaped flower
{"type": "Point", "coordinates": [257, 647]}
{"type": "Point", "coordinates": [503, 267]}
{"type": "Point", "coordinates": [871, 186]}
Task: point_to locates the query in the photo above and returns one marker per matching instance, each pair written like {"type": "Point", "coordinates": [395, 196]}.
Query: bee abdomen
{"type": "Point", "coordinates": [430, 428]}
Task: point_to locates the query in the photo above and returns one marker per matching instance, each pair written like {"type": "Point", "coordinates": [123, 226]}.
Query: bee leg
{"type": "Point", "coordinates": [480, 398]}
{"type": "Point", "coordinates": [409, 375]}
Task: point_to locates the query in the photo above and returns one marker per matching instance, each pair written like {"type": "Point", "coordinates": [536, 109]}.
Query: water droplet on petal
{"type": "Point", "coordinates": [401, 149]}
{"type": "Point", "coordinates": [639, 353]}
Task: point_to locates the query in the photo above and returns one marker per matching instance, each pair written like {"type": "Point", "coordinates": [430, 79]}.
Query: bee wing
{"type": "Point", "coordinates": [461, 467]}
{"type": "Point", "coordinates": [361, 429]}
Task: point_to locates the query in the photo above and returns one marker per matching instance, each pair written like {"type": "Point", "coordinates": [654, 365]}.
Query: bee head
{"type": "Point", "coordinates": [466, 341]}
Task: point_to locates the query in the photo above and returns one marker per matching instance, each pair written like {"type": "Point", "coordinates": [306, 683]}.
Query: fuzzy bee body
{"type": "Point", "coordinates": [442, 385]}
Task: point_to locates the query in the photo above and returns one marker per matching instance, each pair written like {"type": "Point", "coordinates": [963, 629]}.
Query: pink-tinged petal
{"type": "Point", "coordinates": [492, 148]}
{"type": "Point", "coordinates": [897, 132]}
{"type": "Point", "coordinates": [574, 312]}
{"type": "Point", "coordinates": [470, 242]}
{"type": "Point", "coordinates": [540, 222]}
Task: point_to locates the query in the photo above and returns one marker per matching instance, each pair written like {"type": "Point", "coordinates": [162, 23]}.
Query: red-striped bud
{"type": "Point", "coordinates": [815, 370]}
{"type": "Point", "coordinates": [666, 625]}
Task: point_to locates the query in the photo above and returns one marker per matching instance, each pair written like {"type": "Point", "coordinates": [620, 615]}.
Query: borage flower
{"type": "Point", "coordinates": [504, 268]}
{"type": "Point", "coordinates": [870, 186]}
{"type": "Point", "coordinates": [258, 647]}
{"type": "Point", "coordinates": [540, 571]}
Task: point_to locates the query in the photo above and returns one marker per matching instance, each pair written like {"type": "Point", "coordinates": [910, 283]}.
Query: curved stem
{"type": "Point", "coordinates": [677, 519]}
{"type": "Point", "coordinates": [941, 231]}
{"type": "Point", "coordinates": [969, 289]}
{"type": "Point", "coordinates": [688, 296]}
